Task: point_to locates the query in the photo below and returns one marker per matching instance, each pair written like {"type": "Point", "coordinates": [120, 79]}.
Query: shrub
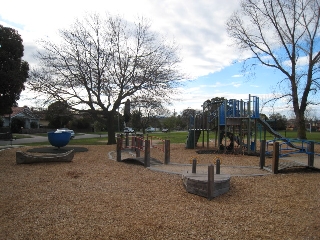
{"type": "Point", "coordinates": [17, 124]}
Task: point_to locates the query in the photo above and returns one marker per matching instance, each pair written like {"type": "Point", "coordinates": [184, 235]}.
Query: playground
{"type": "Point", "coordinates": [238, 164]}
{"type": "Point", "coordinates": [100, 195]}
{"type": "Point", "coordinates": [227, 127]}
{"type": "Point", "coordinates": [239, 129]}
{"type": "Point", "coordinates": [94, 197]}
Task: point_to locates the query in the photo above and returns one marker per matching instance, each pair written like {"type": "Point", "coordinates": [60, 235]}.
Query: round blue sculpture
{"type": "Point", "coordinates": [59, 139]}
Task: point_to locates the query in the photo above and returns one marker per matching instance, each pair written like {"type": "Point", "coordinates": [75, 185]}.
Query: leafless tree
{"type": "Point", "coordinates": [100, 62]}
{"type": "Point", "coordinates": [148, 109]}
{"type": "Point", "coordinates": [283, 35]}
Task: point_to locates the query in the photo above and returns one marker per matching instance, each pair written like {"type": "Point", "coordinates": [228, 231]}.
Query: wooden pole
{"type": "Point", "coordinates": [248, 135]}
{"type": "Point", "coordinates": [127, 139]}
{"type": "Point", "coordinates": [194, 165]}
{"type": "Point", "coordinates": [133, 141]}
{"type": "Point", "coordinates": [262, 153]}
{"type": "Point", "coordinates": [210, 182]}
{"type": "Point", "coordinates": [119, 144]}
{"type": "Point", "coordinates": [311, 154]}
{"type": "Point", "coordinates": [138, 146]}
{"type": "Point", "coordinates": [202, 128]}
{"type": "Point", "coordinates": [166, 151]}
{"type": "Point", "coordinates": [275, 159]}
{"type": "Point", "coordinates": [218, 166]}
{"type": "Point", "coordinates": [147, 154]}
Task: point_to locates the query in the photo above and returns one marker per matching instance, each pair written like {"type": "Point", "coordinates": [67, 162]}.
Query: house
{"type": "Point", "coordinates": [22, 112]}
{"type": "Point", "coordinates": [41, 113]}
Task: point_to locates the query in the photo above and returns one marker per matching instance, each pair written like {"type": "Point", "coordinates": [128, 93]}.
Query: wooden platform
{"type": "Point", "coordinates": [140, 161]}
{"type": "Point", "coordinates": [285, 165]}
{"type": "Point", "coordinates": [22, 157]}
{"type": "Point", "coordinates": [197, 183]}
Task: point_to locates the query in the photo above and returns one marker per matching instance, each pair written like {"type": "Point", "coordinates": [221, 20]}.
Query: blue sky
{"type": "Point", "coordinates": [198, 26]}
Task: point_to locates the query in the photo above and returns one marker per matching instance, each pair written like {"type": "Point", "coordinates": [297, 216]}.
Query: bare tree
{"type": "Point", "coordinates": [283, 35]}
{"type": "Point", "coordinates": [100, 62]}
{"type": "Point", "coordinates": [148, 109]}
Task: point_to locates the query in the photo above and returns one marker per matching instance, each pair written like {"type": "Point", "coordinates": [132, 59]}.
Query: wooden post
{"type": "Point", "coordinates": [127, 139]}
{"type": "Point", "coordinates": [133, 141]}
{"type": "Point", "coordinates": [275, 159]}
{"type": "Point", "coordinates": [249, 130]}
{"type": "Point", "coordinates": [138, 146]}
{"type": "Point", "coordinates": [194, 165]}
{"type": "Point", "coordinates": [210, 182]}
{"type": "Point", "coordinates": [119, 145]}
{"type": "Point", "coordinates": [262, 153]}
{"type": "Point", "coordinates": [218, 166]}
{"type": "Point", "coordinates": [311, 154]}
{"type": "Point", "coordinates": [166, 151]}
{"type": "Point", "coordinates": [147, 154]}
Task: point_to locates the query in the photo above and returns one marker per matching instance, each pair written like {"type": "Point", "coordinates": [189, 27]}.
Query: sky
{"type": "Point", "coordinates": [209, 56]}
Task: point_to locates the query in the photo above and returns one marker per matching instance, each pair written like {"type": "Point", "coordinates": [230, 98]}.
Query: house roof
{"type": "Point", "coordinates": [21, 110]}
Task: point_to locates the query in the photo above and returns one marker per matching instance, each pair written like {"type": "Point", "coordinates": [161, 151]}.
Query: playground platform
{"type": "Point", "coordinates": [299, 160]}
{"type": "Point", "coordinates": [197, 183]}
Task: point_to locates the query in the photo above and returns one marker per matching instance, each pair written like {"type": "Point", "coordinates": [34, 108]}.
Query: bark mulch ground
{"type": "Point", "coordinates": [95, 197]}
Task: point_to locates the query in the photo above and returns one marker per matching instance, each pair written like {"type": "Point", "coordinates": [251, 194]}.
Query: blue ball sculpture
{"type": "Point", "coordinates": [59, 139]}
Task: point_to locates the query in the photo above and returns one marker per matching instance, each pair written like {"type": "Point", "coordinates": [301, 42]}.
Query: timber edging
{"type": "Point", "coordinates": [22, 157]}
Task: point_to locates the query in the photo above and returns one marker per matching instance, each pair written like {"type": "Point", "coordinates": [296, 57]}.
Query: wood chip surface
{"type": "Point", "coordinates": [95, 197]}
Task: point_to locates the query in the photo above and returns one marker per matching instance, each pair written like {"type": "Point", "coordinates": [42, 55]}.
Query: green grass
{"type": "Point", "coordinates": [85, 141]}
{"type": "Point", "coordinates": [180, 137]}
{"type": "Point", "coordinates": [175, 137]}
{"type": "Point", "coordinates": [314, 136]}
{"type": "Point", "coordinates": [89, 141]}
{"type": "Point", "coordinates": [19, 136]}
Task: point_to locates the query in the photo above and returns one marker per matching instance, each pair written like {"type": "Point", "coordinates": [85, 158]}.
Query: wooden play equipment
{"type": "Point", "coordinates": [307, 147]}
{"type": "Point", "coordinates": [139, 144]}
{"type": "Point", "coordinates": [234, 121]}
{"type": "Point", "coordinates": [22, 157]}
{"type": "Point", "coordinates": [208, 185]}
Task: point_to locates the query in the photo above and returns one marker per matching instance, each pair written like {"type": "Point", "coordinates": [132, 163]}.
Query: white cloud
{"type": "Point", "coordinates": [237, 76]}
{"type": "Point", "coordinates": [302, 61]}
{"type": "Point", "coordinates": [197, 26]}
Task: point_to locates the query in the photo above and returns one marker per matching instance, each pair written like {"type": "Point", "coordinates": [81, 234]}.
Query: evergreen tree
{"type": "Point", "coordinates": [13, 70]}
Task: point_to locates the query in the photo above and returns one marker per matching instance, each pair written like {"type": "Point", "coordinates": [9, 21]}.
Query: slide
{"type": "Point", "coordinates": [276, 134]}
{"type": "Point", "coordinates": [193, 137]}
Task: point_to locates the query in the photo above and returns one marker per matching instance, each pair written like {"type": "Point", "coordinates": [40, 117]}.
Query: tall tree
{"type": "Point", "coordinates": [278, 121]}
{"type": "Point", "coordinates": [283, 35]}
{"type": "Point", "coordinates": [148, 108]}
{"type": "Point", "coordinates": [101, 62]}
{"type": "Point", "coordinates": [13, 70]}
{"type": "Point", "coordinates": [58, 114]}
{"type": "Point", "coordinates": [126, 112]}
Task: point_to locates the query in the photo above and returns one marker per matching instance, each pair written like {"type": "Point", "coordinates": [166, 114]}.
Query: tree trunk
{"type": "Point", "coordinates": [111, 130]}
{"type": "Point", "coordinates": [301, 126]}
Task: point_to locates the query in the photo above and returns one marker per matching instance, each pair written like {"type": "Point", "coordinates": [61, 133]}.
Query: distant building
{"type": "Point", "coordinates": [41, 113]}
{"type": "Point", "coordinates": [21, 112]}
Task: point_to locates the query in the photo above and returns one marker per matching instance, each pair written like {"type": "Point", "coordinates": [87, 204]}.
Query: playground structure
{"type": "Point", "coordinates": [59, 139]}
{"type": "Point", "coordinates": [237, 125]}
{"type": "Point", "coordinates": [138, 144]}
{"type": "Point", "coordinates": [234, 121]}
{"type": "Point", "coordinates": [206, 185]}
{"type": "Point", "coordinates": [22, 157]}
{"type": "Point", "coordinates": [281, 149]}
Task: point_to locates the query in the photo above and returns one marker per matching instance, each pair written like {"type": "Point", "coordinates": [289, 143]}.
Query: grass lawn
{"type": "Point", "coordinates": [175, 137]}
